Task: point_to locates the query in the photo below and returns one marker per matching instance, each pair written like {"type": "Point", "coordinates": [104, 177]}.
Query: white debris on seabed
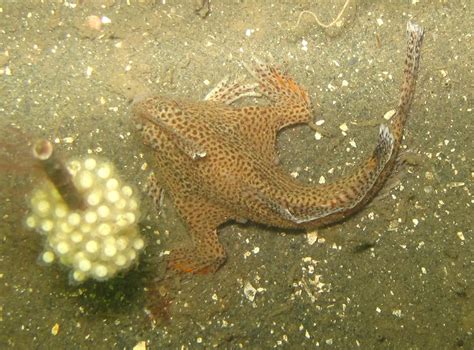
{"type": "Point", "coordinates": [250, 292]}
{"type": "Point", "coordinates": [93, 22]}
{"type": "Point", "coordinates": [460, 235]}
{"type": "Point", "coordinates": [304, 45]}
{"type": "Point", "coordinates": [89, 71]}
{"type": "Point", "coordinates": [105, 20]}
{"type": "Point", "coordinates": [312, 237]}
{"type": "Point", "coordinates": [5, 71]}
{"type": "Point", "coordinates": [397, 313]}
{"type": "Point", "coordinates": [55, 329]}
{"type": "Point", "coordinates": [68, 139]}
{"type": "Point", "coordinates": [310, 282]}
{"type": "Point", "coordinates": [249, 32]}
{"type": "Point", "coordinates": [344, 128]}
{"type": "Point", "coordinates": [455, 184]}
{"type": "Point", "coordinates": [388, 115]}
{"type": "Point", "coordinates": [331, 87]}
{"type": "Point", "coordinates": [141, 345]}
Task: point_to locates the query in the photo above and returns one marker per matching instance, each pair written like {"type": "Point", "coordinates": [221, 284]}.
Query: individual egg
{"type": "Point", "coordinates": [90, 163]}
{"type": "Point", "coordinates": [121, 220]}
{"type": "Point", "coordinates": [90, 217]}
{"type": "Point", "coordinates": [121, 243]}
{"type": "Point", "coordinates": [86, 228]}
{"type": "Point", "coordinates": [113, 196]}
{"type": "Point", "coordinates": [138, 243]}
{"type": "Point", "coordinates": [127, 191]}
{"type": "Point", "coordinates": [104, 229]}
{"type": "Point", "coordinates": [60, 211]}
{"type": "Point", "coordinates": [110, 250]}
{"type": "Point", "coordinates": [84, 265]}
{"type": "Point", "coordinates": [77, 237]}
{"type": "Point", "coordinates": [100, 271]}
{"type": "Point", "coordinates": [42, 208]}
{"type": "Point", "coordinates": [62, 247]}
{"type": "Point", "coordinates": [112, 184]}
{"type": "Point", "coordinates": [74, 219]}
{"type": "Point", "coordinates": [78, 276]}
{"type": "Point", "coordinates": [47, 257]}
{"type": "Point", "coordinates": [92, 246]}
{"type": "Point", "coordinates": [94, 197]}
{"type": "Point", "coordinates": [31, 221]}
{"type": "Point", "coordinates": [64, 226]}
{"type": "Point", "coordinates": [104, 171]}
{"type": "Point", "coordinates": [121, 204]}
{"type": "Point", "coordinates": [85, 179]}
{"type": "Point", "coordinates": [130, 217]}
{"type": "Point", "coordinates": [103, 211]}
{"type": "Point", "coordinates": [120, 260]}
{"type": "Point", "coordinates": [47, 225]}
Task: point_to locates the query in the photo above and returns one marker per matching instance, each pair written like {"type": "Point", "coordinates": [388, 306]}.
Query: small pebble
{"type": "Point", "coordinates": [140, 345]}
{"type": "Point", "coordinates": [249, 291]}
{"type": "Point", "coordinates": [55, 329]}
{"type": "Point", "coordinates": [389, 114]}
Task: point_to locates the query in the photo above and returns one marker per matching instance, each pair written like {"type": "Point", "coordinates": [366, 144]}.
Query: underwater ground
{"type": "Point", "coordinates": [397, 275]}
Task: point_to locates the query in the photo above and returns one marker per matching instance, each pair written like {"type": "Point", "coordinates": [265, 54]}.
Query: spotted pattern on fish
{"type": "Point", "coordinates": [219, 163]}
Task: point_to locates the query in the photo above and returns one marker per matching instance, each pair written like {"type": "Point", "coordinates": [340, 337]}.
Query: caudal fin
{"type": "Point", "coordinates": [415, 35]}
{"type": "Point", "coordinates": [334, 201]}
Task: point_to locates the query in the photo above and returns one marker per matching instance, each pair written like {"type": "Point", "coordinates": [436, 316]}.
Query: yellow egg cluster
{"type": "Point", "coordinates": [99, 241]}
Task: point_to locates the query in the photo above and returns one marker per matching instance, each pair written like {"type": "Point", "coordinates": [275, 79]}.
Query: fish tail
{"type": "Point", "coordinates": [336, 200]}
{"type": "Point", "coordinates": [415, 35]}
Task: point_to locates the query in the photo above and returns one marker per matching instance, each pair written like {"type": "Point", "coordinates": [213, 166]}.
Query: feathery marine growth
{"type": "Point", "coordinates": [218, 162]}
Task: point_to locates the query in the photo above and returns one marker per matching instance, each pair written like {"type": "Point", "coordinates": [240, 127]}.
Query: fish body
{"type": "Point", "coordinates": [219, 163]}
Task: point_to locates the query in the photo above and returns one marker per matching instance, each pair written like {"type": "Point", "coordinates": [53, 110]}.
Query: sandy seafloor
{"type": "Point", "coordinates": [398, 275]}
